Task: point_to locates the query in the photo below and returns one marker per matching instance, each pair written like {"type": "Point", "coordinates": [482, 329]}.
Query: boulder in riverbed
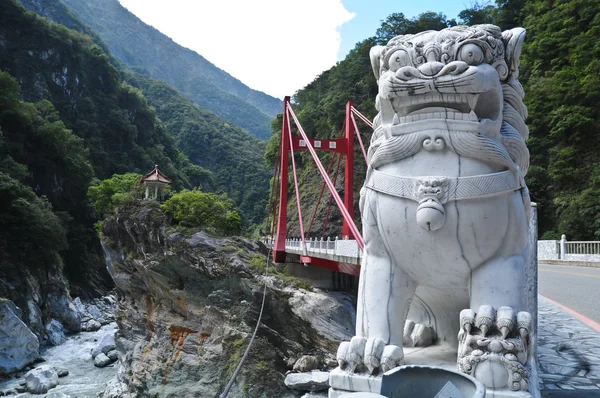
{"type": "Point", "coordinates": [55, 332]}
{"type": "Point", "coordinates": [106, 344]}
{"type": "Point", "coordinates": [18, 345]}
{"type": "Point", "coordinates": [42, 379]}
{"type": "Point", "coordinates": [101, 360]}
{"type": "Point", "coordinates": [90, 326]}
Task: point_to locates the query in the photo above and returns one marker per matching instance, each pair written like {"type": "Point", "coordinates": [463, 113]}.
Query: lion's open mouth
{"type": "Point", "coordinates": [475, 108]}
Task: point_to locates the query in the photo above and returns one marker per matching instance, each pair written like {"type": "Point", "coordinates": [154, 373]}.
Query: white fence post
{"type": "Point", "coordinates": [563, 247]}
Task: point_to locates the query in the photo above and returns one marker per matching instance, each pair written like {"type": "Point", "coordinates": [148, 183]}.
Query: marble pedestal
{"type": "Point", "coordinates": [444, 356]}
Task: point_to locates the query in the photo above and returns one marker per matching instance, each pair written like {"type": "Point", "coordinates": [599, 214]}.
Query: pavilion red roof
{"type": "Point", "coordinates": [155, 176]}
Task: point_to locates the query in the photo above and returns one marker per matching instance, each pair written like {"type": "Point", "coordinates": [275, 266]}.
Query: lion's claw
{"type": "Point", "coordinates": [372, 354]}
{"type": "Point", "coordinates": [498, 339]}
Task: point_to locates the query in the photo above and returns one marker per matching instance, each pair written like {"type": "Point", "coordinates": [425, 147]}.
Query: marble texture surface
{"type": "Point", "coordinates": [445, 209]}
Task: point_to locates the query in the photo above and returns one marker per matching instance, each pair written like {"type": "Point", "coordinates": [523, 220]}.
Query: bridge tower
{"type": "Point", "coordinates": [291, 143]}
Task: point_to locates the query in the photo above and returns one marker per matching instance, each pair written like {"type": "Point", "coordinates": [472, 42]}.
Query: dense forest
{"type": "Point", "coordinates": [72, 115]}
{"type": "Point", "coordinates": [559, 71]}
{"type": "Point", "coordinates": [149, 52]}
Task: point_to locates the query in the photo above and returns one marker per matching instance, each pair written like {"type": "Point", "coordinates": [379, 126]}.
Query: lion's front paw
{"type": "Point", "coordinates": [370, 354]}
{"type": "Point", "coordinates": [417, 335]}
{"type": "Point", "coordinates": [493, 346]}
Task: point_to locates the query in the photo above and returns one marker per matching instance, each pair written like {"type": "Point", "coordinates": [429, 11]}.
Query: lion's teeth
{"type": "Point", "coordinates": [395, 119]}
{"type": "Point", "coordinates": [472, 99]}
{"type": "Point", "coordinates": [473, 116]}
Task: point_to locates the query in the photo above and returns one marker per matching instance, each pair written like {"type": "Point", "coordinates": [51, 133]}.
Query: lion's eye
{"type": "Point", "coordinates": [471, 54]}
{"type": "Point", "coordinates": [399, 59]}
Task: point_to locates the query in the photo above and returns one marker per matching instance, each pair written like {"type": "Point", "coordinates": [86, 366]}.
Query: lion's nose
{"type": "Point", "coordinates": [431, 68]}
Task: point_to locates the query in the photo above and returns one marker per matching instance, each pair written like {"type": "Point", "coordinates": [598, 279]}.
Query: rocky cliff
{"type": "Point", "coordinates": [188, 303]}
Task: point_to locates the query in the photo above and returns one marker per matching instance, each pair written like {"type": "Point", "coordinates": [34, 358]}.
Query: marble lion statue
{"type": "Point", "coordinates": [445, 208]}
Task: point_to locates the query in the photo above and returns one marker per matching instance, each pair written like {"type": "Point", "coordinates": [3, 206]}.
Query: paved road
{"type": "Point", "coordinates": [575, 287]}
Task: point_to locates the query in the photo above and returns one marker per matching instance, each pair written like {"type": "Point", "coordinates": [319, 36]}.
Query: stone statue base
{"type": "Point", "coordinates": [444, 356]}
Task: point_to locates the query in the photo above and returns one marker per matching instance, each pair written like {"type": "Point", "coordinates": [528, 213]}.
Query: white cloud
{"type": "Point", "coordinates": [275, 46]}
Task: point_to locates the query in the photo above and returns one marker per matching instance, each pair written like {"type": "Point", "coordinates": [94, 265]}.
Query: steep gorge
{"type": "Point", "coordinates": [188, 303]}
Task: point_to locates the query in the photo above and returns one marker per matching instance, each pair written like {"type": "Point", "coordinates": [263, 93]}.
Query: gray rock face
{"type": "Point", "coordinates": [55, 333]}
{"type": "Point", "coordinates": [79, 306]}
{"type": "Point", "coordinates": [308, 381]}
{"type": "Point", "coordinates": [306, 363]}
{"type": "Point", "coordinates": [101, 360]}
{"type": "Point", "coordinates": [42, 379]}
{"type": "Point", "coordinates": [185, 310]}
{"type": "Point", "coordinates": [331, 314]}
{"type": "Point", "coordinates": [18, 345]}
{"type": "Point", "coordinates": [105, 345]}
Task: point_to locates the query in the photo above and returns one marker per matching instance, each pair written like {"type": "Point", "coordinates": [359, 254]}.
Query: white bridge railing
{"type": "Point", "coordinates": [588, 251]}
{"type": "Point", "coordinates": [337, 249]}
{"type": "Point", "coordinates": [589, 247]}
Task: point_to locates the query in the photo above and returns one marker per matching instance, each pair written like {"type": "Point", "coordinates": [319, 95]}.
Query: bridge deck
{"type": "Point", "coordinates": [338, 255]}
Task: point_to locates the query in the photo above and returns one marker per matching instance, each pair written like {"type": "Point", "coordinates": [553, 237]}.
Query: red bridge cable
{"type": "Point", "coordinates": [335, 176]}
{"type": "Point", "coordinates": [362, 117]}
{"type": "Point", "coordinates": [362, 147]}
{"type": "Point", "coordinates": [296, 184]}
{"type": "Point", "coordinates": [337, 198]}
{"type": "Point", "coordinates": [274, 196]}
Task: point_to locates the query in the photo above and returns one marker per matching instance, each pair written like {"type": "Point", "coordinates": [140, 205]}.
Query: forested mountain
{"type": "Point", "coordinates": [234, 157]}
{"type": "Point", "coordinates": [86, 122]}
{"type": "Point", "coordinates": [68, 116]}
{"type": "Point", "coordinates": [230, 158]}
{"type": "Point", "coordinates": [146, 50]}
{"type": "Point", "coordinates": [559, 71]}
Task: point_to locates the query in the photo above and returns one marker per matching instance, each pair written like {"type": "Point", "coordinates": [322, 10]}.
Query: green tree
{"type": "Point", "coordinates": [559, 71]}
{"type": "Point", "coordinates": [397, 24]}
{"type": "Point", "coordinates": [30, 230]}
{"type": "Point", "coordinates": [197, 209]}
{"type": "Point", "coordinates": [478, 13]}
{"type": "Point", "coordinates": [106, 195]}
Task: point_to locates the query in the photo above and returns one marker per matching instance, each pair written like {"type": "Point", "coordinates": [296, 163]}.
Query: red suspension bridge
{"type": "Point", "coordinates": [342, 255]}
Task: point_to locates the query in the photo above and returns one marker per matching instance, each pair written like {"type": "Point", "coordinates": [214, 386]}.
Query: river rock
{"type": "Point", "coordinates": [18, 345]}
{"type": "Point", "coordinates": [61, 308]}
{"type": "Point", "coordinates": [55, 332]}
{"type": "Point", "coordinates": [94, 311]}
{"type": "Point", "coordinates": [91, 326]}
{"type": "Point", "coordinates": [101, 360]}
{"type": "Point", "coordinates": [306, 363]}
{"type": "Point", "coordinates": [61, 372]}
{"type": "Point", "coordinates": [106, 344]}
{"type": "Point", "coordinates": [308, 381]}
{"type": "Point", "coordinates": [112, 355]}
{"type": "Point", "coordinates": [42, 379]}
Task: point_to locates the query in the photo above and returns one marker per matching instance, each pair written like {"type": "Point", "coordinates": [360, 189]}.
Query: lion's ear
{"type": "Point", "coordinates": [513, 42]}
{"type": "Point", "coordinates": [375, 55]}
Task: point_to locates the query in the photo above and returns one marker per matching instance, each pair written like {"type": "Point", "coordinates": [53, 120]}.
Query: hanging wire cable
{"type": "Point", "coordinates": [262, 307]}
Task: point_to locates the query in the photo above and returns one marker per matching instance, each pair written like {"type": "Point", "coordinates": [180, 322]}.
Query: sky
{"type": "Point", "coordinates": [276, 46]}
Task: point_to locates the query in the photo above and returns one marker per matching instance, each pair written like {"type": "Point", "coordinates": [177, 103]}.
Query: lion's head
{"type": "Point", "coordinates": [461, 82]}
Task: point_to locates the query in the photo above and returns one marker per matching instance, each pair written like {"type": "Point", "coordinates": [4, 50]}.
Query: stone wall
{"type": "Point", "coordinates": [548, 250]}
